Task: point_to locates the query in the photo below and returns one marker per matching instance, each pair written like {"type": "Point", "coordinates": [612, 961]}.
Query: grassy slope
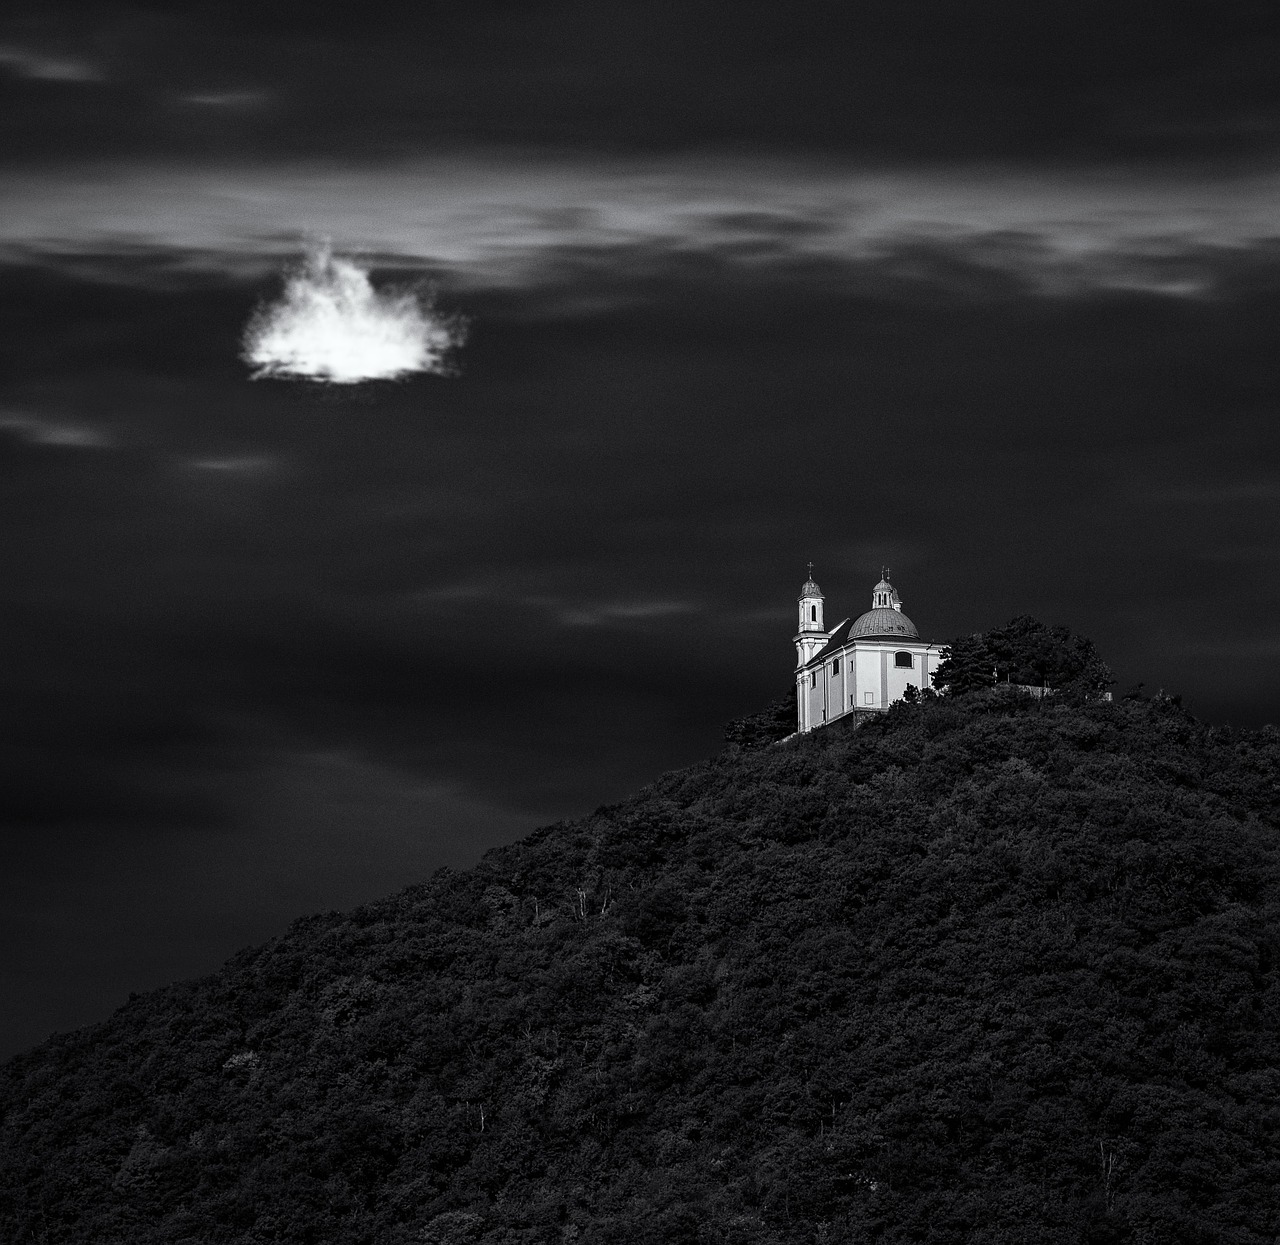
{"type": "Point", "coordinates": [995, 971]}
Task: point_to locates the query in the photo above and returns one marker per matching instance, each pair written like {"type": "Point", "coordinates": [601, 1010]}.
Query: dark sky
{"type": "Point", "coordinates": [985, 292]}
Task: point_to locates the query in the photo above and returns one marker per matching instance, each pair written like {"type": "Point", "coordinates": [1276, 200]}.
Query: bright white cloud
{"type": "Point", "coordinates": [331, 325]}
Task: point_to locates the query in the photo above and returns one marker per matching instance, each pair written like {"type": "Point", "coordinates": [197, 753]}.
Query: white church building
{"type": "Point", "coordinates": [861, 665]}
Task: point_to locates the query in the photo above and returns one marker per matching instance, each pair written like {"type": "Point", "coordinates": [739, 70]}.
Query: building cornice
{"type": "Point", "coordinates": [872, 644]}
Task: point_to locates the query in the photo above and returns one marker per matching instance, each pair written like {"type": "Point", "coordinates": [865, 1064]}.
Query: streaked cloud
{"type": "Point", "coordinates": [502, 593]}
{"type": "Point", "coordinates": [29, 63]}
{"type": "Point", "coordinates": [235, 464]}
{"type": "Point", "coordinates": [57, 434]}
{"type": "Point", "coordinates": [512, 221]}
{"type": "Point", "coordinates": [226, 99]}
{"type": "Point", "coordinates": [623, 612]}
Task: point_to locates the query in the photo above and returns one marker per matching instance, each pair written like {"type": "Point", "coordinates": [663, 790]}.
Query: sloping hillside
{"type": "Point", "coordinates": [987, 970]}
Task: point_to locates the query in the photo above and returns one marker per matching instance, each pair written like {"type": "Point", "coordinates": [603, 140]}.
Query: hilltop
{"type": "Point", "coordinates": [988, 969]}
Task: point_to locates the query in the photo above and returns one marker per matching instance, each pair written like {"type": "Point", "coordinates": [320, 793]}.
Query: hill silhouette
{"type": "Point", "coordinates": [988, 969]}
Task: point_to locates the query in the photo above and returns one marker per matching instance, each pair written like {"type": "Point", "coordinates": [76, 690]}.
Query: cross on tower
{"type": "Point", "coordinates": [810, 570]}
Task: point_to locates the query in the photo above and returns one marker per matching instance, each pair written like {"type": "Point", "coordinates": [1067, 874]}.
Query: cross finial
{"type": "Point", "coordinates": [884, 572]}
{"type": "Point", "coordinates": [810, 570]}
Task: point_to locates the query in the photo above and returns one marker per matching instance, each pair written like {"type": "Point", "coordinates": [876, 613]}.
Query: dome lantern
{"type": "Point", "coordinates": [885, 618]}
{"type": "Point", "coordinates": [884, 596]}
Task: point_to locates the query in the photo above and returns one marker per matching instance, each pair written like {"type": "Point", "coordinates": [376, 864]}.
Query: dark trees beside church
{"type": "Point", "coordinates": [775, 721]}
{"type": "Point", "coordinates": [1028, 652]}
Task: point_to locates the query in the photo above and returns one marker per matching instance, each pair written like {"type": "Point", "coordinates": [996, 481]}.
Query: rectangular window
{"type": "Point", "coordinates": [853, 700]}
{"type": "Point", "coordinates": [870, 698]}
{"type": "Point", "coordinates": [904, 661]}
{"type": "Point", "coordinates": [835, 666]}
{"type": "Point", "coordinates": [813, 679]}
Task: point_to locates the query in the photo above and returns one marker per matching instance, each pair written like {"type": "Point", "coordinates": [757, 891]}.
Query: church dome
{"type": "Point", "coordinates": [884, 621]}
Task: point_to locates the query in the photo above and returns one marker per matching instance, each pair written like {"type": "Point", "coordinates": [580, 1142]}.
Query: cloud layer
{"type": "Point", "coordinates": [514, 222]}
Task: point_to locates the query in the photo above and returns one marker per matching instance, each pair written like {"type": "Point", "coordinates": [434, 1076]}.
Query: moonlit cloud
{"type": "Point", "coordinates": [331, 325]}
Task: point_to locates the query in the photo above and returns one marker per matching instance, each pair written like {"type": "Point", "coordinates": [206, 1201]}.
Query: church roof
{"type": "Point", "coordinates": [847, 632]}
{"type": "Point", "coordinates": [884, 621]}
{"type": "Point", "coordinates": [810, 589]}
{"type": "Point", "coordinates": [838, 639]}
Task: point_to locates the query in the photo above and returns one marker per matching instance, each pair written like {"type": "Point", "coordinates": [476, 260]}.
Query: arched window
{"type": "Point", "coordinates": [813, 613]}
{"type": "Point", "coordinates": [904, 661]}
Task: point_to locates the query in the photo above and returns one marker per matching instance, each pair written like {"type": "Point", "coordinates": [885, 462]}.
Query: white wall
{"type": "Point", "coordinates": [867, 678]}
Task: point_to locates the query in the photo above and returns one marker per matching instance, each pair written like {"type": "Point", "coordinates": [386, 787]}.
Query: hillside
{"type": "Point", "coordinates": [985, 970]}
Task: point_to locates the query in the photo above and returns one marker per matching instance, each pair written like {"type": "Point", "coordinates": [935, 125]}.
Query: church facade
{"type": "Point", "coordinates": [861, 665]}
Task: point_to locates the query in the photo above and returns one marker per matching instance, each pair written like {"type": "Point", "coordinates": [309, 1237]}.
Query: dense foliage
{"type": "Point", "coordinates": [1024, 651]}
{"type": "Point", "coordinates": [988, 969]}
{"type": "Point", "coordinates": [774, 722]}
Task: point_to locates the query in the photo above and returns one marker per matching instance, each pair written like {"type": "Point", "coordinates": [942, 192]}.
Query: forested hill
{"type": "Point", "coordinates": [988, 969]}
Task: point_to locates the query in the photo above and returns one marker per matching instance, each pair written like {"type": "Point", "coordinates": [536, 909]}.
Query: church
{"type": "Point", "coordinates": [860, 666]}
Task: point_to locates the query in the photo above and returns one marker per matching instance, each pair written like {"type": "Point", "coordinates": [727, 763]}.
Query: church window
{"type": "Point", "coordinates": [813, 613]}
{"type": "Point", "coordinates": [835, 666]}
{"type": "Point", "coordinates": [903, 660]}
{"type": "Point", "coordinates": [870, 698]}
{"type": "Point", "coordinates": [813, 679]}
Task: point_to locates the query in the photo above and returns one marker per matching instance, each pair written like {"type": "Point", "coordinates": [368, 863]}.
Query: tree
{"type": "Point", "coordinates": [1028, 652]}
{"type": "Point", "coordinates": [775, 721]}
{"type": "Point", "coordinates": [966, 666]}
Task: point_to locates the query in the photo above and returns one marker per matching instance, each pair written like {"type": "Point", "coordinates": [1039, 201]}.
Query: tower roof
{"type": "Point", "coordinates": [810, 588]}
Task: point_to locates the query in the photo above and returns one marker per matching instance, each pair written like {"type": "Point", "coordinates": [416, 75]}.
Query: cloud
{"type": "Point", "coordinates": [27, 63]}
{"type": "Point", "coordinates": [240, 464]}
{"type": "Point", "coordinates": [528, 592]}
{"type": "Point", "coordinates": [332, 326]}
{"type": "Point", "coordinates": [624, 612]}
{"type": "Point", "coordinates": [524, 223]}
{"type": "Point", "coordinates": [225, 99]}
{"type": "Point", "coordinates": [35, 430]}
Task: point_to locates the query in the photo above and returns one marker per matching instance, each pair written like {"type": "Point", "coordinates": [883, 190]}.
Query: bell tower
{"type": "Point", "coordinates": [811, 635]}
